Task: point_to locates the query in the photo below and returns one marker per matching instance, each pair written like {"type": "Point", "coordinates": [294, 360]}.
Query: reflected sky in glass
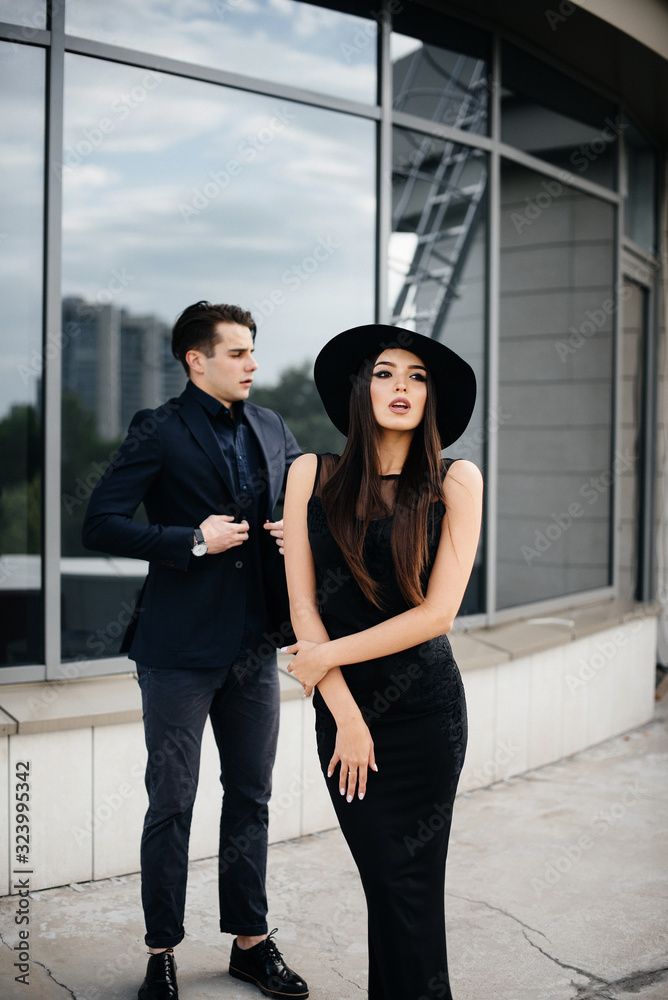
{"type": "Point", "coordinates": [279, 40]}
{"type": "Point", "coordinates": [29, 13]}
{"type": "Point", "coordinates": [21, 195]}
{"type": "Point", "coordinates": [176, 190]}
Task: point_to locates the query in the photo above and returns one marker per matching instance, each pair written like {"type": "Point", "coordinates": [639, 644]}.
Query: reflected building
{"type": "Point", "coordinates": [117, 363]}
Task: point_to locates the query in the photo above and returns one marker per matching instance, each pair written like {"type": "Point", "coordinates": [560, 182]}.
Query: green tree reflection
{"type": "Point", "coordinates": [296, 399]}
{"type": "Point", "coordinates": [20, 481]}
{"type": "Point", "coordinates": [85, 456]}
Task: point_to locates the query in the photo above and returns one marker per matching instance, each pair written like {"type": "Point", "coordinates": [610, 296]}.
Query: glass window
{"type": "Point", "coordinates": [437, 261]}
{"type": "Point", "coordinates": [28, 13]}
{"type": "Point", "coordinates": [176, 190]}
{"type": "Point", "coordinates": [640, 202]}
{"type": "Point", "coordinates": [281, 40]}
{"type": "Point", "coordinates": [22, 83]}
{"type": "Point", "coordinates": [545, 113]}
{"type": "Point", "coordinates": [440, 70]}
{"type": "Point", "coordinates": [557, 314]}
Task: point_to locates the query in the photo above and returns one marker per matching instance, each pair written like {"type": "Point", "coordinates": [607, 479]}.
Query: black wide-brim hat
{"type": "Point", "coordinates": [340, 360]}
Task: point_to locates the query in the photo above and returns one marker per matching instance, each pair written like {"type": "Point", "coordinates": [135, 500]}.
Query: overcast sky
{"type": "Point", "coordinates": [285, 226]}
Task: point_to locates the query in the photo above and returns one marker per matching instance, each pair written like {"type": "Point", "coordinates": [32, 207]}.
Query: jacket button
{"type": "Point", "coordinates": [238, 564]}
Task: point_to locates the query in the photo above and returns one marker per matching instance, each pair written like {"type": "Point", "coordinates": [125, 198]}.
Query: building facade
{"type": "Point", "coordinates": [495, 180]}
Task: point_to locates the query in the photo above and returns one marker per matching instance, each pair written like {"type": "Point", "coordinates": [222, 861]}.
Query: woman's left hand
{"type": "Point", "coordinates": [307, 666]}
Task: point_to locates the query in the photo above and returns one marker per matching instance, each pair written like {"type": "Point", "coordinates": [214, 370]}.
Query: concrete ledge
{"type": "Point", "coordinates": [471, 653]}
{"type": "Point", "coordinates": [44, 707]}
{"type": "Point", "coordinates": [8, 726]}
{"type": "Point", "coordinates": [95, 701]}
{"type": "Point", "coordinates": [113, 700]}
{"type": "Point", "coordinates": [514, 640]}
{"type": "Point", "coordinates": [532, 698]}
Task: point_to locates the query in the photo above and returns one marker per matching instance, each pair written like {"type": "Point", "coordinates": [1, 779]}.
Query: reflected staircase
{"type": "Point", "coordinates": [447, 189]}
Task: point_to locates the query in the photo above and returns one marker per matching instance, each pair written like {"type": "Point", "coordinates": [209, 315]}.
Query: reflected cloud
{"type": "Point", "coordinates": [278, 40]}
{"type": "Point", "coordinates": [22, 226]}
{"type": "Point", "coordinates": [208, 192]}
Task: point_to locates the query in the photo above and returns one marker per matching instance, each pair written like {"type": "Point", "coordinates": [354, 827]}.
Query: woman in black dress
{"type": "Point", "coordinates": [380, 544]}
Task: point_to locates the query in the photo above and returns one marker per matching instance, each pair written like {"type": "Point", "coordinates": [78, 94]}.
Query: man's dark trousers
{"type": "Point", "coordinates": [243, 705]}
{"type": "Point", "coordinates": [193, 619]}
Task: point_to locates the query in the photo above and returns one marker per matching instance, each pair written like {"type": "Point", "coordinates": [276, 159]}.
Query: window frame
{"type": "Point", "coordinates": [57, 43]}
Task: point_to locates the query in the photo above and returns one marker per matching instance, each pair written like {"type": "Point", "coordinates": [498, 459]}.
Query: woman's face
{"type": "Point", "coordinates": [398, 390]}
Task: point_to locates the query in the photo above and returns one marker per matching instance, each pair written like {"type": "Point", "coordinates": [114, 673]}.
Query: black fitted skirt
{"type": "Point", "coordinates": [398, 835]}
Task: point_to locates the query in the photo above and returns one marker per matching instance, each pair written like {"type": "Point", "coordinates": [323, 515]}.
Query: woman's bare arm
{"type": "Point", "coordinates": [354, 749]}
{"type": "Point", "coordinates": [450, 573]}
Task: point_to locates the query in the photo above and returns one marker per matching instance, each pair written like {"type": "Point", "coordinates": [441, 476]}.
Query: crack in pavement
{"type": "Point", "coordinates": [498, 909]}
{"type": "Point", "coordinates": [34, 961]}
{"type": "Point", "coordinates": [627, 984]}
{"type": "Point", "coordinates": [604, 989]}
{"type": "Point", "coordinates": [581, 972]}
{"type": "Point", "coordinates": [2, 940]}
{"type": "Point", "coordinates": [336, 971]}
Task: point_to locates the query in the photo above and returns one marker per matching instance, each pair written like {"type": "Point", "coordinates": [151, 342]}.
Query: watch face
{"type": "Point", "coordinates": [200, 549]}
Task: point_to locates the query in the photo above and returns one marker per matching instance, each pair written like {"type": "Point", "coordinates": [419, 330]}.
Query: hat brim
{"type": "Point", "coordinates": [340, 360]}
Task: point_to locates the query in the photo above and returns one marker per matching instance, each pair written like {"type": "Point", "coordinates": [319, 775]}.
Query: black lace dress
{"type": "Point", "coordinates": [413, 703]}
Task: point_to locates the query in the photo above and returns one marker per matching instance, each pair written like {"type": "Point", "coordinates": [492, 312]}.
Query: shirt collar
{"type": "Point", "coordinates": [212, 405]}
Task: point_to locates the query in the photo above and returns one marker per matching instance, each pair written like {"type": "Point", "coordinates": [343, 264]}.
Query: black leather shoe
{"type": "Point", "coordinates": [263, 965]}
{"type": "Point", "coordinates": [160, 982]}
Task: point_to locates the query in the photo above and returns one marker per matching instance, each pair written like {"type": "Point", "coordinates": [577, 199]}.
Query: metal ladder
{"type": "Point", "coordinates": [429, 264]}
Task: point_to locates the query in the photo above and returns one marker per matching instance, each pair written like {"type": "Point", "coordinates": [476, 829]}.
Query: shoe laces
{"type": "Point", "coordinates": [166, 967]}
{"type": "Point", "coordinates": [272, 948]}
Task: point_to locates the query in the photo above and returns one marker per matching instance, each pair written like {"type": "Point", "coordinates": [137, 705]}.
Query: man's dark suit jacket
{"type": "Point", "coordinates": [191, 610]}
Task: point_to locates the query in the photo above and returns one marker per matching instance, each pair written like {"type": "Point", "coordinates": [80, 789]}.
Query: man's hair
{"type": "Point", "coordinates": [195, 329]}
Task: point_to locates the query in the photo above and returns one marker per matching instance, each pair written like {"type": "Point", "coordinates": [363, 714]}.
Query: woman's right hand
{"type": "Point", "coordinates": [354, 753]}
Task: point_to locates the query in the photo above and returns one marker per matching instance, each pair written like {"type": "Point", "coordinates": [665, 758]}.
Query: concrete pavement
{"type": "Point", "coordinates": [557, 890]}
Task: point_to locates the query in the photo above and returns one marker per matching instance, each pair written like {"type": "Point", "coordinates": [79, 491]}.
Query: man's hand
{"type": "Point", "coordinates": [275, 528]}
{"type": "Point", "coordinates": [222, 532]}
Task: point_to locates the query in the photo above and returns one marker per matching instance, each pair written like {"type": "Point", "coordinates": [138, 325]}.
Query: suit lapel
{"type": "Point", "coordinates": [200, 427]}
{"type": "Point", "coordinates": [260, 432]}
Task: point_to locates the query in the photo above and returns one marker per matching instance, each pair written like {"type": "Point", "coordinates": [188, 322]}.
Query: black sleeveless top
{"type": "Point", "coordinates": [420, 679]}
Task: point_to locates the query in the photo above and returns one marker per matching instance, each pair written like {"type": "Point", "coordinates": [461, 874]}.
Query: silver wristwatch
{"type": "Point", "coordinates": [200, 548]}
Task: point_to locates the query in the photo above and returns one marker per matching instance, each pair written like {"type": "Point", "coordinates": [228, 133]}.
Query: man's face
{"type": "Point", "coordinates": [228, 374]}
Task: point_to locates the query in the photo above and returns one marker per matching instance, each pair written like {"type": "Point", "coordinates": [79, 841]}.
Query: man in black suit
{"type": "Point", "coordinates": [208, 467]}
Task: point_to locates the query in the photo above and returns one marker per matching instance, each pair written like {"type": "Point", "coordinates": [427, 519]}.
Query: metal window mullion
{"type": "Point", "coordinates": [440, 131]}
{"type": "Point", "coordinates": [566, 177]}
{"type": "Point", "coordinates": [209, 74]}
{"type": "Point", "coordinates": [645, 491]}
{"type": "Point", "coordinates": [652, 391]}
{"type": "Point", "coordinates": [617, 376]}
{"type": "Point", "coordinates": [51, 352]}
{"type": "Point", "coordinates": [650, 429]}
{"type": "Point", "coordinates": [22, 34]}
{"type": "Point", "coordinates": [384, 170]}
{"type": "Point", "coordinates": [552, 605]}
{"type": "Point", "coordinates": [493, 306]}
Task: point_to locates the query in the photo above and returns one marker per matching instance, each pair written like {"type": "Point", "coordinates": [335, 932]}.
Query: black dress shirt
{"type": "Point", "coordinates": [242, 455]}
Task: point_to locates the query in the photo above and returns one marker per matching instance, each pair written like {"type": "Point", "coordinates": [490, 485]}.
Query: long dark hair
{"type": "Point", "coordinates": [353, 492]}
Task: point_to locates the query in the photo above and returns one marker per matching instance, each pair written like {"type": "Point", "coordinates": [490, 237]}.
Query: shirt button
{"type": "Point", "coordinates": [238, 564]}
